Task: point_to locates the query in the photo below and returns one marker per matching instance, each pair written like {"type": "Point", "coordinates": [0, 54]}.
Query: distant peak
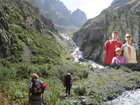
{"type": "Point", "coordinates": [78, 9]}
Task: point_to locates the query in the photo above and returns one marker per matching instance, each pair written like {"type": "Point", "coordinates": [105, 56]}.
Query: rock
{"type": "Point", "coordinates": [5, 37]}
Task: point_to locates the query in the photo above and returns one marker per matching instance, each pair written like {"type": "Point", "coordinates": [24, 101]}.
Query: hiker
{"type": "Point", "coordinates": [36, 90]}
{"type": "Point", "coordinates": [118, 59]}
{"type": "Point", "coordinates": [68, 83]}
{"type": "Point", "coordinates": [109, 48]}
{"type": "Point", "coordinates": [130, 50]}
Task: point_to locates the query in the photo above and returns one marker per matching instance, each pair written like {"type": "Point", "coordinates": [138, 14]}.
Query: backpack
{"type": "Point", "coordinates": [64, 80]}
{"type": "Point", "coordinates": [37, 87]}
{"type": "Point", "coordinates": [68, 80]}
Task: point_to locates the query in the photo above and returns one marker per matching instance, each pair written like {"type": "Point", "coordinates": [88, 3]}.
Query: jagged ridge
{"type": "Point", "coordinates": [60, 15]}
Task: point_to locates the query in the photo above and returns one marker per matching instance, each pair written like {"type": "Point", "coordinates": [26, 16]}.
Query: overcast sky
{"type": "Point", "coordinates": [92, 8]}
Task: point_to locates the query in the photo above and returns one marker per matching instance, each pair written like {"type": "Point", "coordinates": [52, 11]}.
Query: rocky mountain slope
{"type": "Point", "coordinates": [25, 34]}
{"type": "Point", "coordinates": [60, 15]}
{"type": "Point", "coordinates": [122, 16]}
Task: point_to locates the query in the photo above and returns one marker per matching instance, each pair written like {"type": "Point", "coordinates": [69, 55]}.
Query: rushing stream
{"type": "Point", "coordinates": [127, 98]}
{"type": "Point", "coordinates": [78, 55]}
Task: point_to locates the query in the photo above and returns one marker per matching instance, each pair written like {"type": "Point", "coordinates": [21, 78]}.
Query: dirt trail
{"type": "Point", "coordinates": [1, 101]}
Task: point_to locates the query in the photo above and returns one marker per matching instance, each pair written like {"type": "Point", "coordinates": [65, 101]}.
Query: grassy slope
{"type": "Point", "coordinates": [43, 46]}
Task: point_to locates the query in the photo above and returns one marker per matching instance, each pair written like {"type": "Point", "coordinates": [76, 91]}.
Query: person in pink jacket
{"type": "Point", "coordinates": [118, 59]}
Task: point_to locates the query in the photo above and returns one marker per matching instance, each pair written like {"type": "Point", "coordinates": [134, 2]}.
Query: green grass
{"type": "Point", "coordinates": [15, 78]}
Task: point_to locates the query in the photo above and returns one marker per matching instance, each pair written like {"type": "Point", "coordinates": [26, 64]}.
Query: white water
{"type": "Point", "coordinates": [78, 55]}
{"type": "Point", "coordinates": [127, 98]}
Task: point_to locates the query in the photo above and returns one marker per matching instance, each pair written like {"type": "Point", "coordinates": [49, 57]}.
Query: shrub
{"type": "Point", "coordinates": [80, 91]}
{"type": "Point", "coordinates": [96, 97]}
{"type": "Point", "coordinates": [85, 74]}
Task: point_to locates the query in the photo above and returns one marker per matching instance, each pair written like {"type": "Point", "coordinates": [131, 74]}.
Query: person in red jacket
{"type": "Point", "coordinates": [109, 48]}
{"type": "Point", "coordinates": [68, 83]}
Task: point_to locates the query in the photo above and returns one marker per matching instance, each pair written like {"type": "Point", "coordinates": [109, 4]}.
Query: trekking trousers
{"type": "Point", "coordinates": [68, 88]}
{"type": "Point", "coordinates": [35, 100]}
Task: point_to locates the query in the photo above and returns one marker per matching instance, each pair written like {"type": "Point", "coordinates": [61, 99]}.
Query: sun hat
{"type": "Point", "coordinates": [34, 75]}
{"type": "Point", "coordinates": [128, 34]}
{"type": "Point", "coordinates": [118, 49]}
{"type": "Point", "coordinates": [68, 74]}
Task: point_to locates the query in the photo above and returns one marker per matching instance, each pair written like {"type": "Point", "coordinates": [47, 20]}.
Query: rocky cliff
{"type": "Point", "coordinates": [122, 16]}
{"type": "Point", "coordinates": [5, 37]}
{"type": "Point", "coordinates": [59, 14]}
{"type": "Point", "coordinates": [25, 33]}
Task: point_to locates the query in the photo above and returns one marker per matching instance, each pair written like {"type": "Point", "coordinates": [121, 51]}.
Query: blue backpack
{"type": "Point", "coordinates": [36, 87]}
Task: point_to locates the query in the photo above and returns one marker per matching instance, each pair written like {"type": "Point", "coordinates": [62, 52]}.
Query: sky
{"type": "Point", "coordinates": [91, 8]}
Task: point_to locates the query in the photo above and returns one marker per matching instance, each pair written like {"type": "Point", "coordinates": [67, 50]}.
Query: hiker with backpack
{"type": "Point", "coordinates": [130, 50]}
{"type": "Point", "coordinates": [67, 83]}
{"type": "Point", "coordinates": [36, 90]}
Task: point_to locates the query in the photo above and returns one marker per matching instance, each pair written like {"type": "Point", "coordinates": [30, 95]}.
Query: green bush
{"type": "Point", "coordinates": [80, 91]}
{"type": "Point", "coordinates": [96, 97]}
{"type": "Point", "coordinates": [85, 74]}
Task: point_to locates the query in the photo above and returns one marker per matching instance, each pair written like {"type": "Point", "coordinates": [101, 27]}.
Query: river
{"type": "Point", "coordinates": [127, 98]}
{"type": "Point", "coordinates": [78, 55]}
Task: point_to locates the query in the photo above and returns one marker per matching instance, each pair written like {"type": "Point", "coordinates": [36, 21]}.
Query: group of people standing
{"type": "Point", "coordinates": [114, 52]}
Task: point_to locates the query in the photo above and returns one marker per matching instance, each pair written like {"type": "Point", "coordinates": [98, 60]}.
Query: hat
{"type": "Point", "coordinates": [68, 74]}
{"type": "Point", "coordinates": [127, 35]}
{"type": "Point", "coordinates": [118, 49]}
{"type": "Point", "coordinates": [115, 32]}
{"type": "Point", "coordinates": [34, 75]}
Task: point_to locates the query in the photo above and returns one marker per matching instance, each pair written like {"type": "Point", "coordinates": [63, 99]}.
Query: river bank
{"type": "Point", "coordinates": [127, 98]}
{"type": "Point", "coordinates": [107, 84]}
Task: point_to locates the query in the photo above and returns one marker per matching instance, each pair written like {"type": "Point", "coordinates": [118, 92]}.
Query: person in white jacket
{"type": "Point", "coordinates": [130, 50]}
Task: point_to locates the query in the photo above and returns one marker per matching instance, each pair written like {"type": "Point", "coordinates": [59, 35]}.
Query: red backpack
{"type": "Point", "coordinates": [67, 79]}
{"type": "Point", "coordinates": [44, 86]}
{"type": "Point", "coordinates": [64, 80]}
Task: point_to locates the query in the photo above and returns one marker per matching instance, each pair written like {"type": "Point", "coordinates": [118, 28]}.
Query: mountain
{"type": "Point", "coordinates": [122, 16]}
{"type": "Point", "coordinates": [60, 15]}
{"type": "Point", "coordinates": [29, 43]}
{"type": "Point", "coordinates": [25, 34]}
{"type": "Point", "coordinates": [78, 18]}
